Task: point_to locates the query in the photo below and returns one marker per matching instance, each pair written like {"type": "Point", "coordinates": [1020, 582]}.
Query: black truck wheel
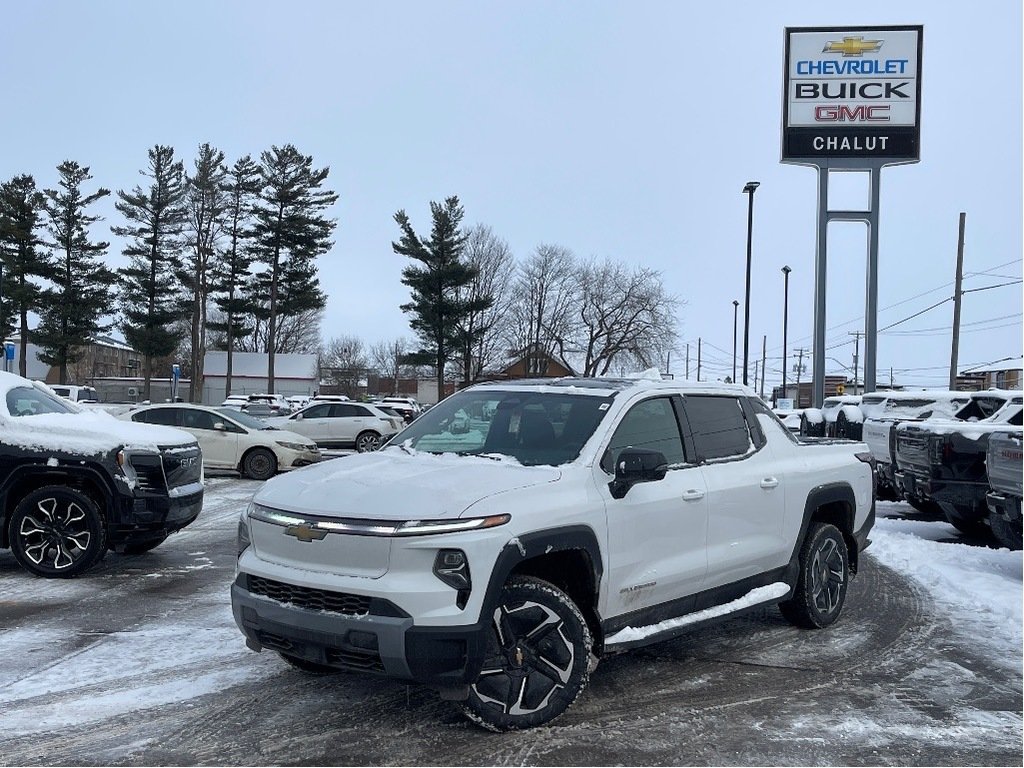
{"type": "Point", "coordinates": [821, 586]}
{"type": "Point", "coordinates": [968, 524]}
{"type": "Point", "coordinates": [538, 658]}
{"type": "Point", "coordinates": [57, 532]}
{"type": "Point", "coordinates": [1006, 532]}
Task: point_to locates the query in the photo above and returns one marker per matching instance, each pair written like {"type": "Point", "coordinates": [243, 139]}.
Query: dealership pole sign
{"type": "Point", "coordinates": [852, 92]}
{"type": "Point", "coordinates": [851, 103]}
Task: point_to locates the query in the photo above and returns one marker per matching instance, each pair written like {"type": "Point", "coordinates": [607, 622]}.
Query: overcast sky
{"type": "Point", "coordinates": [623, 130]}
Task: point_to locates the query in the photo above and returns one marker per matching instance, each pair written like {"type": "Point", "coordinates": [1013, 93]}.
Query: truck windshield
{"type": "Point", "coordinates": [30, 401]}
{"type": "Point", "coordinates": [531, 427]}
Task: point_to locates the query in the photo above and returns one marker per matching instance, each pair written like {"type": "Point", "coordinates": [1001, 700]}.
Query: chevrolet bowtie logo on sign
{"type": "Point", "coordinates": [852, 46]}
{"type": "Point", "coordinates": [305, 532]}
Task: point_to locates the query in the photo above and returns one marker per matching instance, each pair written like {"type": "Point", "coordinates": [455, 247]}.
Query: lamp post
{"type": "Point", "coordinates": [749, 189]}
{"type": "Point", "coordinates": [735, 315]}
{"type": "Point", "coordinates": [785, 325]}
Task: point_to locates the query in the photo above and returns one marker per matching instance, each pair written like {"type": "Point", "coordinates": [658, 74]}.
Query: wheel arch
{"type": "Point", "coordinates": [568, 557]}
{"type": "Point", "coordinates": [836, 504]}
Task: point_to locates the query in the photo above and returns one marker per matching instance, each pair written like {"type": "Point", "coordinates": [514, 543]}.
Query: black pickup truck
{"type": "Point", "coordinates": [944, 461]}
{"type": "Point", "coordinates": [74, 483]}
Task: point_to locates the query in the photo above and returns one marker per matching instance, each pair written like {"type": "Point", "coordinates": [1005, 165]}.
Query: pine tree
{"type": "Point", "coordinates": [156, 217]}
{"type": "Point", "coordinates": [436, 307]}
{"type": "Point", "coordinates": [72, 311]}
{"type": "Point", "coordinates": [290, 233]}
{"type": "Point", "coordinates": [231, 268]}
{"type": "Point", "coordinates": [206, 204]}
{"type": "Point", "coordinates": [22, 258]}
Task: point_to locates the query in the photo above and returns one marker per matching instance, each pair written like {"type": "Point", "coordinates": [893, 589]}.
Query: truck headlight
{"type": "Point", "coordinates": [452, 567]}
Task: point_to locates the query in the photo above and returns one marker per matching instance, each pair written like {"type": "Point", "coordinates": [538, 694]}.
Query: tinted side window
{"type": "Point", "coordinates": [317, 412]}
{"type": "Point", "coordinates": [165, 416]}
{"type": "Point", "coordinates": [344, 410]}
{"type": "Point", "coordinates": [651, 425]}
{"type": "Point", "coordinates": [719, 428]}
{"type": "Point", "coordinates": [194, 419]}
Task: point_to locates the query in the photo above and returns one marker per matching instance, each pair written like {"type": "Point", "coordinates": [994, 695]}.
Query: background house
{"type": "Point", "coordinates": [1004, 374]}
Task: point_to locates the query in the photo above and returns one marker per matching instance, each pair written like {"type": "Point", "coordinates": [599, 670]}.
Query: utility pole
{"type": "Point", "coordinates": [799, 369]}
{"type": "Point", "coordinates": [756, 363]}
{"type": "Point", "coordinates": [890, 378]}
{"type": "Point", "coordinates": [687, 362]}
{"type": "Point", "coordinates": [764, 358]}
{"type": "Point", "coordinates": [698, 358]}
{"type": "Point", "coordinates": [957, 297]}
{"type": "Point", "coordinates": [668, 364]}
{"type": "Point", "coordinates": [856, 354]}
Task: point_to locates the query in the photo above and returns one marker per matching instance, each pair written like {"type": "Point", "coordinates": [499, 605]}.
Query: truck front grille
{"type": "Point", "coordinates": [310, 599]}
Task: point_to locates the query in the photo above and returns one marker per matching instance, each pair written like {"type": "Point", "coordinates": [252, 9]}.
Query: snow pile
{"type": "Point", "coordinates": [87, 433]}
{"type": "Point", "coordinates": [853, 413]}
{"type": "Point", "coordinates": [752, 598]}
{"type": "Point", "coordinates": [978, 588]}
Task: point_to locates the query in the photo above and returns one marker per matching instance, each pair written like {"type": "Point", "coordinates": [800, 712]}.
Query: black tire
{"type": "Point", "coordinates": [926, 507]}
{"type": "Point", "coordinates": [969, 525]}
{"type": "Point", "coordinates": [367, 441]}
{"type": "Point", "coordinates": [259, 464]}
{"type": "Point", "coordinates": [1006, 532]}
{"type": "Point", "coordinates": [538, 658]}
{"type": "Point", "coordinates": [309, 667]}
{"type": "Point", "coordinates": [141, 547]}
{"type": "Point", "coordinates": [821, 587]}
{"type": "Point", "coordinates": [842, 425]}
{"type": "Point", "coordinates": [57, 532]}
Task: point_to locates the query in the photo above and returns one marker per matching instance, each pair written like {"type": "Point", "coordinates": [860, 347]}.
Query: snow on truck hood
{"type": "Point", "coordinates": [390, 485]}
{"type": "Point", "coordinates": [91, 432]}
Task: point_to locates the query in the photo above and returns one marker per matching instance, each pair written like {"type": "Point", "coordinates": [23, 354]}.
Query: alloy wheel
{"type": "Point", "coordinates": [55, 537]}
{"type": "Point", "coordinates": [828, 573]}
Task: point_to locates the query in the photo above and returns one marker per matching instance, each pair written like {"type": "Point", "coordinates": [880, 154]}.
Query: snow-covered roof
{"type": "Point", "coordinates": [253, 365]}
{"type": "Point", "coordinates": [1007, 364]}
{"type": "Point", "coordinates": [605, 387]}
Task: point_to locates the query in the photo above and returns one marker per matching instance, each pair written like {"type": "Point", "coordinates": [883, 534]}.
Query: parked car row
{"type": "Point", "coordinates": [951, 463]}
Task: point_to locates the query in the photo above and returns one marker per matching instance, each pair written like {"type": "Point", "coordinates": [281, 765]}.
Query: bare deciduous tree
{"type": "Point", "coordinates": [481, 332]}
{"type": "Point", "coordinates": [344, 362]}
{"type": "Point", "coordinates": [622, 313]}
{"type": "Point", "coordinates": [541, 316]}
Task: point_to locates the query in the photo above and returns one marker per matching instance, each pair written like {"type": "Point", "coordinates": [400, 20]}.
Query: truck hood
{"type": "Point", "coordinates": [90, 433]}
{"type": "Point", "coordinates": [392, 485]}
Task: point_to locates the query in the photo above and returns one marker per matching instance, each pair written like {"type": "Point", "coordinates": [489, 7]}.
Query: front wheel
{"type": "Point", "coordinates": [820, 590]}
{"type": "Point", "coordinates": [57, 532]}
{"type": "Point", "coordinates": [1006, 532]}
{"type": "Point", "coordinates": [259, 464]}
{"type": "Point", "coordinates": [538, 658]}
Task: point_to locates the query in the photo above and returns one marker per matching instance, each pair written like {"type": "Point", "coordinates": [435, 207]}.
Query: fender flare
{"type": "Point", "coordinates": [818, 496]}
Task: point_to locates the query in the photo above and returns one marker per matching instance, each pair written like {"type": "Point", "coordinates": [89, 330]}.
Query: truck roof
{"type": "Point", "coordinates": [609, 387]}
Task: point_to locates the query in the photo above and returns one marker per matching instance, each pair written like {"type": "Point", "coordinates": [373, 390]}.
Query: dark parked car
{"type": "Point", "coordinates": [74, 483]}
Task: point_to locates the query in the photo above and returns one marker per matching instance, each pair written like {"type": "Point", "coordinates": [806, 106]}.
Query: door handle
{"type": "Point", "coordinates": [769, 482]}
{"type": "Point", "coordinates": [693, 495]}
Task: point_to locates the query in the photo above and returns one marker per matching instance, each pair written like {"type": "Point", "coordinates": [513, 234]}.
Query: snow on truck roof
{"type": "Point", "coordinates": [609, 387]}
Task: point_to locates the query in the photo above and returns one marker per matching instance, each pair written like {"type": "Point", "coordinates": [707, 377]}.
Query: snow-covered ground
{"type": "Point", "coordinates": [977, 587]}
{"type": "Point", "coordinates": [114, 666]}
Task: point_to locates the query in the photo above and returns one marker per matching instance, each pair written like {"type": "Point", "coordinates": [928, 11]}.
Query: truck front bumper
{"type": "Point", "coordinates": [144, 517]}
{"type": "Point", "coordinates": [376, 637]}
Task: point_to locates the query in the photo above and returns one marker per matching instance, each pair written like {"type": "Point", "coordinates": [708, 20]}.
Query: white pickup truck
{"type": "Point", "coordinates": [504, 541]}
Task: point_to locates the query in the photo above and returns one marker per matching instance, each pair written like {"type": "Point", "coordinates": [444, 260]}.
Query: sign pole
{"type": "Point", "coordinates": [871, 307]}
{"type": "Point", "coordinates": [820, 260]}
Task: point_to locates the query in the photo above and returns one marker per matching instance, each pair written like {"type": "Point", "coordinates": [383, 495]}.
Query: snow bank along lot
{"type": "Point", "coordinates": [139, 663]}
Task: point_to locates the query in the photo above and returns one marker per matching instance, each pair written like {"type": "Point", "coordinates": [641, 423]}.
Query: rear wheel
{"type": "Point", "coordinates": [966, 524]}
{"type": "Point", "coordinates": [538, 658]}
{"type": "Point", "coordinates": [259, 464]}
{"type": "Point", "coordinates": [367, 441]}
{"type": "Point", "coordinates": [821, 587]}
{"type": "Point", "coordinates": [57, 532]}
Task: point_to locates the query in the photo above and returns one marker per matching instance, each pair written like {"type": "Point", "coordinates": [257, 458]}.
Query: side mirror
{"type": "Point", "coordinates": [219, 426]}
{"type": "Point", "coordinates": [298, 417]}
{"type": "Point", "coordinates": [637, 465]}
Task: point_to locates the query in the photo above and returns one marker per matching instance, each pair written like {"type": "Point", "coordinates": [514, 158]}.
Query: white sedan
{"type": "Point", "coordinates": [344, 425]}
{"type": "Point", "coordinates": [232, 439]}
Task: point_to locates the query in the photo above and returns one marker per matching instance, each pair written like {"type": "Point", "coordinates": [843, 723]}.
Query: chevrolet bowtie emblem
{"type": "Point", "coordinates": [305, 532]}
{"type": "Point", "coordinates": [852, 46]}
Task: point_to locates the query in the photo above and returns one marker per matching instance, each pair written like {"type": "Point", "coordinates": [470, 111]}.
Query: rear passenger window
{"type": "Point", "coordinates": [719, 427]}
{"type": "Point", "coordinates": [166, 416]}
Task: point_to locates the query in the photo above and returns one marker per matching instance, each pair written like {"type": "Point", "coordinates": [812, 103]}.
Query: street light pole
{"type": "Point", "coordinates": [735, 315]}
{"type": "Point", "coordinates": [749, 189]}
{"type": "Point", "coordinates": [785, 325]}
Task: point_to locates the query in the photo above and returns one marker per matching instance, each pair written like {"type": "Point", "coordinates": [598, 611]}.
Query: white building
{"type": "Point", "coordinates": [294, 374]}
